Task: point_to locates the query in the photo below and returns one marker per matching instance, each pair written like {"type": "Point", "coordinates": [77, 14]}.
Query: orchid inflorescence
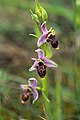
{"type": "Point", "coordinates": [41, 63]}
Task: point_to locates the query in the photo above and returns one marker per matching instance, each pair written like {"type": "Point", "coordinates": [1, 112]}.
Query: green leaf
{"type": "Point", "coordinates": [35, 19]}
{"type": "Point", "coordinates": [41, 13]}
{"type": "Point", "coordinates": [46, 48]}
{"type": "Point", "coordinates": [45, 97]}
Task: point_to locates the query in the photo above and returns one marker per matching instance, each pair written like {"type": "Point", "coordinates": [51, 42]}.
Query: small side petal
{"type": "Point", "coordinates": [33, 58]}
{"type": "Point", "coordinates": [32, 82]}
{"type": "Point", "coordinates": [50, 63]}
{"type": "Point", "coordinates": [50, 30]}
{"type": "Point", "coordinates": [23, 86]}
{"type": "Point", "coordinates": [34, 66]}
{"type": "Point", "coordinates": [43, 27]}
{"type": "Point", "coordinates": [41, 40]}
{"type": "Point", "coordinates": [40, 53]}
{"type": "Point", "coordinates": [35, 95]}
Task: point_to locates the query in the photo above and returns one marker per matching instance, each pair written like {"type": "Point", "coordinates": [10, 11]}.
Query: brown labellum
{"type": "Point", "coordinates": [25, 97]}
{"type": "Point", "coordinates": [41, 69]}
{"type": "Point", "coordinates": [53, 41]}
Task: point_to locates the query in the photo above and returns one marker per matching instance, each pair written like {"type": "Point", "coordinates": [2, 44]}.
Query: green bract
{"type": "Point", "coordinates": [46, 48]}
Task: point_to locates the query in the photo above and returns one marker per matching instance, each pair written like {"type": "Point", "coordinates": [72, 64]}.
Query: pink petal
{"type": "Point", "coordinates": [32, 82]}
{"type": "Point", "coordinates": [40, 53]}
{"type": "Point", "coordinates": [34, 66]}
{"type": "Point", "coordinates": [41, 40]}
{"type": "Point", "coordinates": [43, 27]}
{"type": "Point", "coordinates": [50, 63]}
{"type": "Point", "coordinates": [23, 86]}
{"type": "Point", "coordinates": [35, 95]}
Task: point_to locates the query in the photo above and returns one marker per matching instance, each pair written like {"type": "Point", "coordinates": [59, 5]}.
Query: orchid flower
{"type": "Point", "coordinates": [47, 36]}
{"type": "Point", "coordinates": [29, 90]}
{"type": "Point", "coordinates": [41, 63]}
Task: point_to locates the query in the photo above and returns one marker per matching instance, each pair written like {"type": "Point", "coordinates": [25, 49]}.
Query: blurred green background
{"type": "Point", "coordinates": [17, 48]}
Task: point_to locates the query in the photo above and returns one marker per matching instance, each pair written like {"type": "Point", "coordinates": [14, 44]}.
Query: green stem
{"type": "Point", "coordinates": [45, 98]}
{"type": "Point", "coordinates": [45, 85]}
{"type": "Point", "coordinates": [58, 96]}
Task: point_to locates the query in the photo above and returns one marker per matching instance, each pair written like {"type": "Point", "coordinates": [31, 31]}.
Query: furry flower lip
{"type": "Point", "coordinates": [41, 63]}
{"type": "Point", "coordinates": [29, 90]}
{"type": "Point", "coordinates": [47, 36]}
{"type": "Point", "coordinates": [41, 69]}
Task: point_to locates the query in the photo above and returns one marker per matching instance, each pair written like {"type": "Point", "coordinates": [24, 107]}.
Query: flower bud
{"type": "Point", "coordinates": [41, 13]}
